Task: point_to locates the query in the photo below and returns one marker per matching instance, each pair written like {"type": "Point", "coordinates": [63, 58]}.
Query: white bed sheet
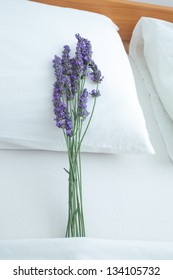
{"type": "Point", "coordinates": [84, 249]}
{"type": "Point", "coordinates": [126, 197]}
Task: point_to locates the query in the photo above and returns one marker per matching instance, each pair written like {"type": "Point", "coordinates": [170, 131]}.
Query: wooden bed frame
{"type": "Point", "coordinates": [123, 12]}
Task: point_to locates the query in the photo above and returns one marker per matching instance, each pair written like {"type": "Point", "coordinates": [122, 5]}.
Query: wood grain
{"type": "Point", "coordinates": [124, 13]}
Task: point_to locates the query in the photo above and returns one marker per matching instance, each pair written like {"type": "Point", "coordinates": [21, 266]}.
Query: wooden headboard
{"type": "Point", "coordinates": [123, 12]}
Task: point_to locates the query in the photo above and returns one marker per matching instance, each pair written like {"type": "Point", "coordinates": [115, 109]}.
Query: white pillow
{"type": "Point", "coordinates": [158, 51]}
{"type": "Point", "coordinates": [31, 34]}
{"type": "Point", "coordinates": [136, 51]}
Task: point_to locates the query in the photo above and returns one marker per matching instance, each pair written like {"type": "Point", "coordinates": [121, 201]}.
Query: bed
{"type": "Point", "coordinates": [127, 193]}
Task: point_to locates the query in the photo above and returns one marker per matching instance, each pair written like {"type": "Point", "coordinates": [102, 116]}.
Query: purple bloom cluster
{"type": "Point", "coordinates": [62, 115]}
{"type": "Point", "coordinates": [96, 75]}
{"type": "Point", "coordinates": [95, 93]}
{"type": "Point", "coordinates": [83, 50]}
{"type": "Point", "coordinates": [82, 104]}
{"type": "Point", "coordinates": [70, 74]}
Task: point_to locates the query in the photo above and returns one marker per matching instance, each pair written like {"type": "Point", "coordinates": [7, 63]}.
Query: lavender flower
{"type": "Point", "coordinates": [57, 66]}
{"type": "Point", "coordinates": [70, 98]}
{"type": "Point", "coordinates": [66, 60]}
{"type": "Point", "coordinates": [62, 115]}
{"type": "Point", "coordinates": [96, 75]}
{"type": "Point", "coordinates": [82, 105]}
{"type": "Point", "coordinates": [95, 93]}
{"type": "Point", "coordinates": [62, 69]}
{"type": "Point", "coordinates": [77, 72]}
{"type": "Point", "coordinates": [83, 49]}
{"type": "Point", "coordinates": [70, 76]}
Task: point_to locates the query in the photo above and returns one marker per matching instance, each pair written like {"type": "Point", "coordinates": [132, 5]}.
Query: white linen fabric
{"type": "Point", "coordinates": [84, 249]}
{"type": "Point", "coordinates": [31, 33]}
{"type": "Point", "coordinates": [125, 197]}
{"type": "Point", "coordinates": [139, 49]}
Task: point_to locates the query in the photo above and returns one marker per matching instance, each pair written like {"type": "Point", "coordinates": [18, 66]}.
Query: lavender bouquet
{"type": "Point", "coordinates": [70, 99]}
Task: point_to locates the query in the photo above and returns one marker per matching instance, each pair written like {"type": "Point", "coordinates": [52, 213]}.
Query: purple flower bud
{"type": "Point", "coordinates": [95, 93]}
{"type": "Point", "coordinates": [83, 49]}
{"type": "Point", "coordinates": [57, 65]}
{"type": "Point", "coordinates": [62, 115]}
{"type": "Point", "coordinates": [66, 63]}
{"type": "Point", "coordinates": [82, 104]}
{"type": "Point", "coordinates": [96, 75]}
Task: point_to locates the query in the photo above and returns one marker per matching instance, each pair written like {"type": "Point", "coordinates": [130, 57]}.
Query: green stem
{"type": "Point", "coordinates": [75, 225]}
